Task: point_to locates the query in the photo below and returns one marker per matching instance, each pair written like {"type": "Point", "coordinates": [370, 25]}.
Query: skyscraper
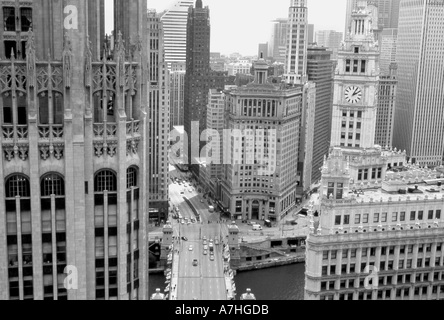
{"type": "Point", "coordinates": [320, 69]}
{"type": "Point", "coordinates": [311, 34]}
{"type": "Point", "coordinates": [297, 42]}
{"type": "Point", "coordinates": [199, 79]}
{"type": "Point", "coordinates": [277, 45]}
{"type": "Point", "coordinates": [418, 123]}
{"type": "Point", "coordinates": [159, 115]}
{"type": "Point", "coordinates": [386, 107]}
{"type": "Point", "coordinates": [177, 93]}
{"type": "Point", "coordinates": [258, 180]}
{"type": "Point", "coordinates": [388, 13]}
{"type": "Point", "coordinates": [175, 31]}
{"type": "Point", "coordinates": [329, 39]}
{"type": "Point", "coordinates": [389, 40]}
{"type": "Point", "coordinates": [72, 159]}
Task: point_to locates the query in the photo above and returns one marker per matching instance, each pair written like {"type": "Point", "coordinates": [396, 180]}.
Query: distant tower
{"type": "Point", "coordinates": [233, 245]}
{"type": "Point", "coordinates": [167, 242]}
{"type": "Point", "coordinates": [297, 43]}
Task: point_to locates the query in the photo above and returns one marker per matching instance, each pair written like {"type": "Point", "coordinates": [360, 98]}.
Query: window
{"type": "Point", "coordinates": [355, 66]}
{"type": "Point", "coordinates": [376, 218]}
{"type": "Point", "coordinates": [331, 189]}
{"type": "Point", "coordinates": [413, 216]}
{"type": "Point", "coordinates": [9, 18]}
{"type": "Point", "coordinates": [52, 184]}
{"type": "Point", "coordinates": [420, 215]}
{"type": "Point", "coordinates": [333, 254]}
{"type": "Point", "coordinates": [353, 253]}
{"type": "Point", "coordinates": [364, 252]}
{"type": "Point", "coordinates": [339, 191]}
{"type": "Point", "coordinates": [365, 219]}
{"type": "Point", "coordinates": [347, 65]}
{"type": "Point", "coordinates": [131, 178]}
{"type": "Point", "coordinates": [430, 216]}
{"type": "Point", "coordinates": [438, 214]}
{"type": "Point", "coordinates": [17, 186]}
{"type": "Point", "coordinates": [384, 217]}
{"type": "Point", "coordinates": [402, 217]}
{"type": "Point", "coordinates": [346, 219]}
{"type": "Point", "coordinates": [7, 109]}
{"type": "Point", "coordinates": [363, 63]}
{"type": "Point", "coordinates": [105, 181]}
{"type": "Point", "coordinates": [26, 19]}
{"type": "Point", "coordinates": [394, 217]}
{"type": "Point", "coordinates": [325, 255]}
{"type": "Point", "coordinates": [337, 220]}
{"type": "Point", "coordinates": [357, 219]}
{"type": "Point", "coordinates": [401, 264]}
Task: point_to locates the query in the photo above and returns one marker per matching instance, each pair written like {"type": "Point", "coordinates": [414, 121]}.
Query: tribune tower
{"type": "Point", "coordinates": [73, 152]}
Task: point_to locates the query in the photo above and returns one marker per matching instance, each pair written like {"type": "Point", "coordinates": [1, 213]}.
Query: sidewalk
{"type": "Point", "coordinates": [174, 273]}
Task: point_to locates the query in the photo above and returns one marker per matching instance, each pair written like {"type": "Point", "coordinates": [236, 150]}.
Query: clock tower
{"type": "Point", "coordinates": [356, 82]}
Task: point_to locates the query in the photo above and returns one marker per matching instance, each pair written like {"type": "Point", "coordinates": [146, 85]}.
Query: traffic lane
{"type": "Point", "coordinates": [189, 289]}
{"type": "Point", "coordinates": [186, 260]}
{"type": "Point", "coordinates": [214, 289]}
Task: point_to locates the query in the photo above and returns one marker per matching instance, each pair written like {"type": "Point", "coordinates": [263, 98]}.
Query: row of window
{"type": "Point", "coordinates": [53, 184]}
{"type": "Point", "coordinates": [383, 218]}
{"type": "Point", "coordinates": [384, 250]}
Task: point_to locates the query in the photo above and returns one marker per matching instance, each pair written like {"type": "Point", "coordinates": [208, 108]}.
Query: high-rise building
{"type": "Point", "coordinates": [311, 34]}
{"type": "Point", "coordinates": [388, 13]}
{"type": "Point", "coordinates": [177, 93]}
{"type": "Point", "coordinates": [356, 84]}
{"type": "Point", "coordinates": [159, 115]}
{"type": "Point", "coordinates": [329, 39]}
{"type": "Point", "coordinates": [130, 20]}
{"type": "Point", "coordinates": [418, 123]}
{"type": "Point", "coordinates": [175, 31]}
{"type": "Point", "coordinates": [320, 69]}
{"type": "Point", "coordinates": [199, 79]}
{"type": "Point", "coordinates": [277, 46]}
{"type": "Point", "coordinates": [386, 107]}
{"type": "Point", "coordinates": [261, 152]}
{"type": "Point", "coordinates": [388, 49]}
{"type": "Point", "coordinates": [297, 42]}
{"type": "Point", "coordinates": [73, 158]}
{"type": "Point", "coordinates": [263, 51]}
{"type": "Point", "coordinates": [215, 128]}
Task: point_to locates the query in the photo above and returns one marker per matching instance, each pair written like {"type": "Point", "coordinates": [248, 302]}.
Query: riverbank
{"type": "Point", "coordinates": [272, 263]}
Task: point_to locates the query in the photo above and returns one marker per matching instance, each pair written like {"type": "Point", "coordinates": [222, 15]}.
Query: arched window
{"type": "Point", "coordinates": [17, 185]}
{"type": "Point", "coordinates": [52, 184]}
{"type": "Point", "coordinates": [131, 177]}
{"type": "Point", "coordinates": [105, 181]}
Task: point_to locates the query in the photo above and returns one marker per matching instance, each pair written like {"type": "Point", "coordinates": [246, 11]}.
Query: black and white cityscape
{"type": "Point", "coordinates": [204, 150]}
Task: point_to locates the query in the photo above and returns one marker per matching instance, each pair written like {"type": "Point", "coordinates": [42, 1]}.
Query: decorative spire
{"type": "Point", "coordinates": [67, 60]}
{"type": "Point", "coordinates": [199, 4]}
{"type": "Point", "coordinates": [30, 58]}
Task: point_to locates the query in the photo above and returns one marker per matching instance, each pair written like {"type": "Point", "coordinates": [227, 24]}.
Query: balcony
{"type": "Point", "coordinates": [51, 132]}
{"type": "Point", "coordinates": [14, 132]}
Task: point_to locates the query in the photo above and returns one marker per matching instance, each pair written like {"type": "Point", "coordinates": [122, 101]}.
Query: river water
{"type": "Point", "coordinates": [282, 283]}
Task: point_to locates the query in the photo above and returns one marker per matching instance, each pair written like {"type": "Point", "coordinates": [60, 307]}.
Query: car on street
{"type": "Point", "coordinates": [182, 192]}
{"type": "Point", "coordinates": [204, 238]}
{"type": "Point", "coordinates": [195, 262]}
{"type": "Point", "coordinates": [182, 221]}
{"type": "Point", "coordinates": [205, 242]}
{"type": "Point", "coordinates": [190, 190]}
{"type": "Point", "coordinates": [201, 201]}
{"type": "Point", "coordinates": [251, 223]}
{"type": "Point", "coordinates": [184, 238]}
{"type": "Point", "coordinates": [212, 258]}
{"type": "Point", "coordinates": [188, 222]}
{"type": "Point", "coordinates": [190, 248]}
{"type": "Point", "coordinates": [211, 241]}
{"type": "Point", "coordinates": [205, 252]}
{"type": "Point", "coordinates": [205, 247]}
{"type": "Point", "coordinates": [216, 242]}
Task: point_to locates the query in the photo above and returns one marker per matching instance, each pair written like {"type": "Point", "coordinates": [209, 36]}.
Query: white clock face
{"type": "Point", "coordinates": [353, 94]}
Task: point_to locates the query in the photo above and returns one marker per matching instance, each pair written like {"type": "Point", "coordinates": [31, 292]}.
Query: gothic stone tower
{"type": "Point", "coordinates": [356, 83]}
{"type": "Point", "coordinates": [72, 158]}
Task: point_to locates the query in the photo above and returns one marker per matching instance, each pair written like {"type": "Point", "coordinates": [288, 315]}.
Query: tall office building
{"type": "Point", "coordinates": [418, 123]}
{"type": "Point", "coordinates": [175, 31]}
{"type": "Point", "coordinates": [388, 13]}
{"type": "Point", "coordinates": [320, 69]}
{"type": "Point", "coordinates": [386, 107]}
{"type": "Point", "coordinates": [329, 39]}
{"type": "Point", "coordinates": [388, 49]}
{"type": "Point", "coordinates": [297, 42]}
{"type": "Point", "coordinates": [263, 51]}
{"type": "Point", "coordinates": [311, 34]}
{"type": "Point", "coordinates": [199, 79]}
{"type": "Point", "coordinates": [261, 159]}
{"type": "Point", "coordinates": [277, 46]}
{"type": "Point", "coordinates": [73, 159]}
{"type": "Point", "coordinates": [215, 127]}
{"type": "Point", "coordinates": [177, 93]}
{"type": "Point", "coordinates": [159, 120]}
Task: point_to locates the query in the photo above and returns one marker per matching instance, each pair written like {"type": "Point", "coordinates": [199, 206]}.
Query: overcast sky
{"type": "Point", "coordinates": [240, 25]}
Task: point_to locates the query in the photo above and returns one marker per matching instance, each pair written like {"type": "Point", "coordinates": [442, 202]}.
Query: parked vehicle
{"type": "Point", "coordinates": [257, 227]}
{"type": "Point", "coordinates": [211, 209]}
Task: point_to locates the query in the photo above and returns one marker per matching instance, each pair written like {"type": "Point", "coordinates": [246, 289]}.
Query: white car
{"type": "Point", "coordinates": [205, 252]}
{"type": "Point", "coordinates": [190, 248]}
{"type": "Point", "coordinates": [212, 258]}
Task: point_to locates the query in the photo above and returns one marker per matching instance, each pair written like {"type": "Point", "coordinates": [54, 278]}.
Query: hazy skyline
{"type": "Point", "coordinates": [239, 26]}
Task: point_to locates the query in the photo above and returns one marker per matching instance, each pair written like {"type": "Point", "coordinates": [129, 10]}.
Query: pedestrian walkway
{"type": "Point", "coordinates": [175, 271]}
